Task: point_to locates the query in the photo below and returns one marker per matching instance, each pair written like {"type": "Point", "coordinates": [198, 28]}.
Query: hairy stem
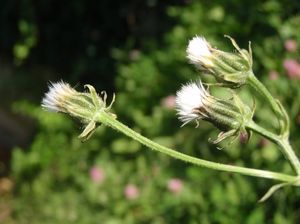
{"type": "Point", "coordinates": [110, 121]}
{"type": "Point", "coordinates": [262, 90]}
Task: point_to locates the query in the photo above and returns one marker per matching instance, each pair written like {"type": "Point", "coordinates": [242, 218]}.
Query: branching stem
{"type": "Point", "coordinates": [283, 144]}
{"type": "Point", "coordinates": [110, 121]}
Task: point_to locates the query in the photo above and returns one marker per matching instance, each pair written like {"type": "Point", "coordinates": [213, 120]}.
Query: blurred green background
{"type": "Point", "coordinates": [136, 49]}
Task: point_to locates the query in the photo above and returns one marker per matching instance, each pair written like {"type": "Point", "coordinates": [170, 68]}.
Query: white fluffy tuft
{"type": "Point", "coordinates": [189, 98]}
{"type": "Point", "coordinates": [199, 51]}
{"type": "Point", "coordinates": [57, 94]}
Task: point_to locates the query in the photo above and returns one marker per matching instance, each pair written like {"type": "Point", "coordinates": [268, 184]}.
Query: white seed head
{"type": "Point", "coordinates": [188, 99]}
{"type": "Point", "coordinates": [57, 95]}
{"type": "Point", "coordinates": [199, 52]}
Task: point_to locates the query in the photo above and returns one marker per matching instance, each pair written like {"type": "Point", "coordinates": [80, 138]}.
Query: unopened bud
{"type": "Point", "coordinates": [230, 69]}
{"type": "Point", "coordinates": [85, 106]}
{"type": "Point", "coordinates": [194, 103]}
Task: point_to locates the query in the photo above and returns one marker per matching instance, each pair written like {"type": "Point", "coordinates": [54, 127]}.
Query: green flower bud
{"type": "Point", "coordinates": [230, 69]}
{"type": "Point", "coordinates": [193, 102]}
{"type": "Point", "coordinates": [82, 105]}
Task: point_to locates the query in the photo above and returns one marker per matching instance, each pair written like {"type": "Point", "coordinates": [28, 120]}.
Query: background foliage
{"type": "Point", "coordinates": [137, 49]}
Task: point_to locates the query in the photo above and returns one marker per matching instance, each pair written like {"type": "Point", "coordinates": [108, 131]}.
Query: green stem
{"type": "Point", "coordinates": [276, 106]}
{"type": "Point", "coordinates": [262, 90]}
{"type": "Point", "coordinates": [284, 144]}
{"type": "Point", "coordinates": [110, 121]}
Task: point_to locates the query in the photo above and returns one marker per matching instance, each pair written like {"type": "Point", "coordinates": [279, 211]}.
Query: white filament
{"type": "Point", "coordinates": [199, 52]}
{"type": "Point", "coordinates": [188, 99]}
{"type": "Point", "coordinates": [57, 94]}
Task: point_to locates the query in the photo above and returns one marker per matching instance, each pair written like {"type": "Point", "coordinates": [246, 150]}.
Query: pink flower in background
{"type": "Point", "coordinates": [175, 185]}
{"type": "Point", "coordinates": [97, 175]}
{"type": "Point", "coordinates": [273, 75]}
{"type": "Point", "coordinates": [131, 192]}
{"type": "Point", "coordinates": [292, 68]}
{"type": "Point", "coordinates": [290, 45]}
{"type": "Point", "coordinates": [169, 102]}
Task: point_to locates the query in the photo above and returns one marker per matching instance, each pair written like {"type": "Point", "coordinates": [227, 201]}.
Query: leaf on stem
{"type": "Point", "coordinates": [273, 189]}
